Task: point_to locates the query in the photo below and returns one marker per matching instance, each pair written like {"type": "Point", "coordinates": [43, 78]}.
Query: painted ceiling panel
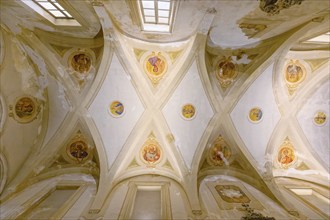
{"type": "Point", "coordinates": [187, 133]}
{"type": "Point", "coordinates": [115, 130]}
{"type": "Point", "coordinates": [58, 107]}
{"type": "Point", "coordinates": [317, 135]}
{"type": "Point", "coordinates": [256, 135]}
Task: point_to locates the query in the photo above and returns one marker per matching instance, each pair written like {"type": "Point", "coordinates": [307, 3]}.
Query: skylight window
{"type": "Point", "coordinates": [157, 15]}
{"type": "Point", "coordinates": [53, 8]}
{"type": "Point", "coordinates": [52, 11]}
{"type": "Point", "coordinates": [321, 39]}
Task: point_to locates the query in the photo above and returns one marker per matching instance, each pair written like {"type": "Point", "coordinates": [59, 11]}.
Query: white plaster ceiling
{"type": "Point", "coordinates": [122, 82]}
{"type": "Point", "coordinates": [317, 135]}
{"type": "Point", "coordinates": [256, 135]}
{"type": "Point", "coordinates": [114, 131]}
{"type": "Point", "coordinates": [187, 133]}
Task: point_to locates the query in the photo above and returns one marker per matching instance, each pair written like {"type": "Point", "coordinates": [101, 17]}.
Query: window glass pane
{"type": "Point", "coordinates": [47, 5]}
{"type": "Point", "coordinates": [162, 13]}
{"type": "Point", "coordinates": [150, 19]}
{"type": "Point", "coordinates": [148, 4]}
{"type": "Point", "coordinates": [59, 6]}
{"type": "Point", "coordinates": [163, 20]}
{"type": "Point", "coordinates": [57, 14]}
{"type": "Point", "coordinates": [164, 5]}
{"type": "Point", "coordinates": [148, 12]}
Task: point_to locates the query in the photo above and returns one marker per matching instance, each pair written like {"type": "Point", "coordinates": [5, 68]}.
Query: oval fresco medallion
{"type": "Point", "coordinates": [81, 62]}
{"type": "Point", "coordinates": [26, 109]}
{"type": "Point", "coordinates": [226, 72]}
{"type": "Point", "coordinates": [155, 64]}
{"type": "Point", "coordinates": [219, 153]}
{"type": "Point", "coordinates": [188, 111]}
{"type": "Point", "coordinates": [320, 118]}
{"type": "Point", "coordinates": [117, 109]}
{"type": "Point", "coordinates": [255, 115]}
{"type": "Point", "coordinates": [294, 72]}
{"type": "Point", "coordinates": [286, 156]}
{"type": "Point", "coordinates": [78, 150]}
{"type": "Point", "coordinates": [151, 153]}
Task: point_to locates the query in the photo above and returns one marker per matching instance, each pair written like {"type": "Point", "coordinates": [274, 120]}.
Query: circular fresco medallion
{"type": "Point", "coordinates": [81, 63]}
{"type": "Point", "coordinates": [116, 109]}
{"type": "Point", "coordinates": [155, 64]}
{"type": "Point", "coordinates": [78, 150]}
{"type": "Point", "coordinates": [255, 115]}
{"type": "Point", "coordinates": [219, 153]}
{"type": "Point", "coordinates": [151, 153]}
{"type": "Point", "coordinates": [286, 156]}
{"type": "Point", "coordinates": [320, 118]}
{"type": "Point", "coordinates": [294, 72]}
{"type": "Point", "coordinates": [188, 111]}
{"type": "Point", "coordinates": [26, 109]}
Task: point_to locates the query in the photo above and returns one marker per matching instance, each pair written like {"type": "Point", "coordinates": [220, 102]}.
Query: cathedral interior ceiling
{"type": "Point", "coordinates": [233, 89]}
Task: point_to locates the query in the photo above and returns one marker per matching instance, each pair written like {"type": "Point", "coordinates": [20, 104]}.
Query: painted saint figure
{"type": "Point", "coordinates": [81, 63]}
{"type": "Point", "coordinates": [286, 156]}
{"type": "Point", "coordinates": [151, 153]}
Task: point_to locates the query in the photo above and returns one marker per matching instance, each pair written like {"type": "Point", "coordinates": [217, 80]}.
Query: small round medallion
{"type": "Point", "coordinates": [188, 111]}
{"type": "Point", "coordinates": [320, 118]}
{"type": "Point", "coordinates": [116, 109]}
{"type": "Point", "coordinates": [26, 109]}
{"type": "Point", "coordinates": [255, 115]}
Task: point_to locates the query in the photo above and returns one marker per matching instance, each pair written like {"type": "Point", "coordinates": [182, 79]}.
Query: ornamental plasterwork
{"type": "Point", "coordinates": [219, 153]}
{"type": "Point", "coordinates": [231, 195]}
{"type": "Point", "coordinates": [273, 7]}
{"type": "Point", "coordinates": [151, 152]}
{"type": "Point", "coordinates": [294, 75]}
{"type": "Point", "coordinates": [25, 109]}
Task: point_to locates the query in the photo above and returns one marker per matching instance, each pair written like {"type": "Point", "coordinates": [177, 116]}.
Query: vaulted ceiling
{"type": "Point", "coordinates": [209, 39]}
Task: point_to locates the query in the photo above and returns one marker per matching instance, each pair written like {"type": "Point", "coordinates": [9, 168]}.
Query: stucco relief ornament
{"type": "Point", "coordinates": [273, 7]}
{"type": "Point", "coordinates": [25, 110]}
{"type": "Point", "coordinates": [232, 194]}
{"type": "Point", "coordinates": [286, 156]}
{"type": "Point", "coordinates": [219, 153]}
{"type": "Point", "coordinates": [151, 152]}
{"type": "Point", "coordinates": [155, 66]}
{"type": "Point", "coordinates": [226, 72]}
{"type": "Point", "coordinates": [294, 75]}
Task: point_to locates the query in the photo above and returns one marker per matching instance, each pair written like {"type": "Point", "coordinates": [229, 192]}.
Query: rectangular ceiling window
{"type": "Point", "coordinates": [52, 11]}
{"type": "Point", "coordinates": [53, 8]}
{"type": "Point", "coordinates": [321, 39]}
{"type": "Point", "coordinates": [157, 15]}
